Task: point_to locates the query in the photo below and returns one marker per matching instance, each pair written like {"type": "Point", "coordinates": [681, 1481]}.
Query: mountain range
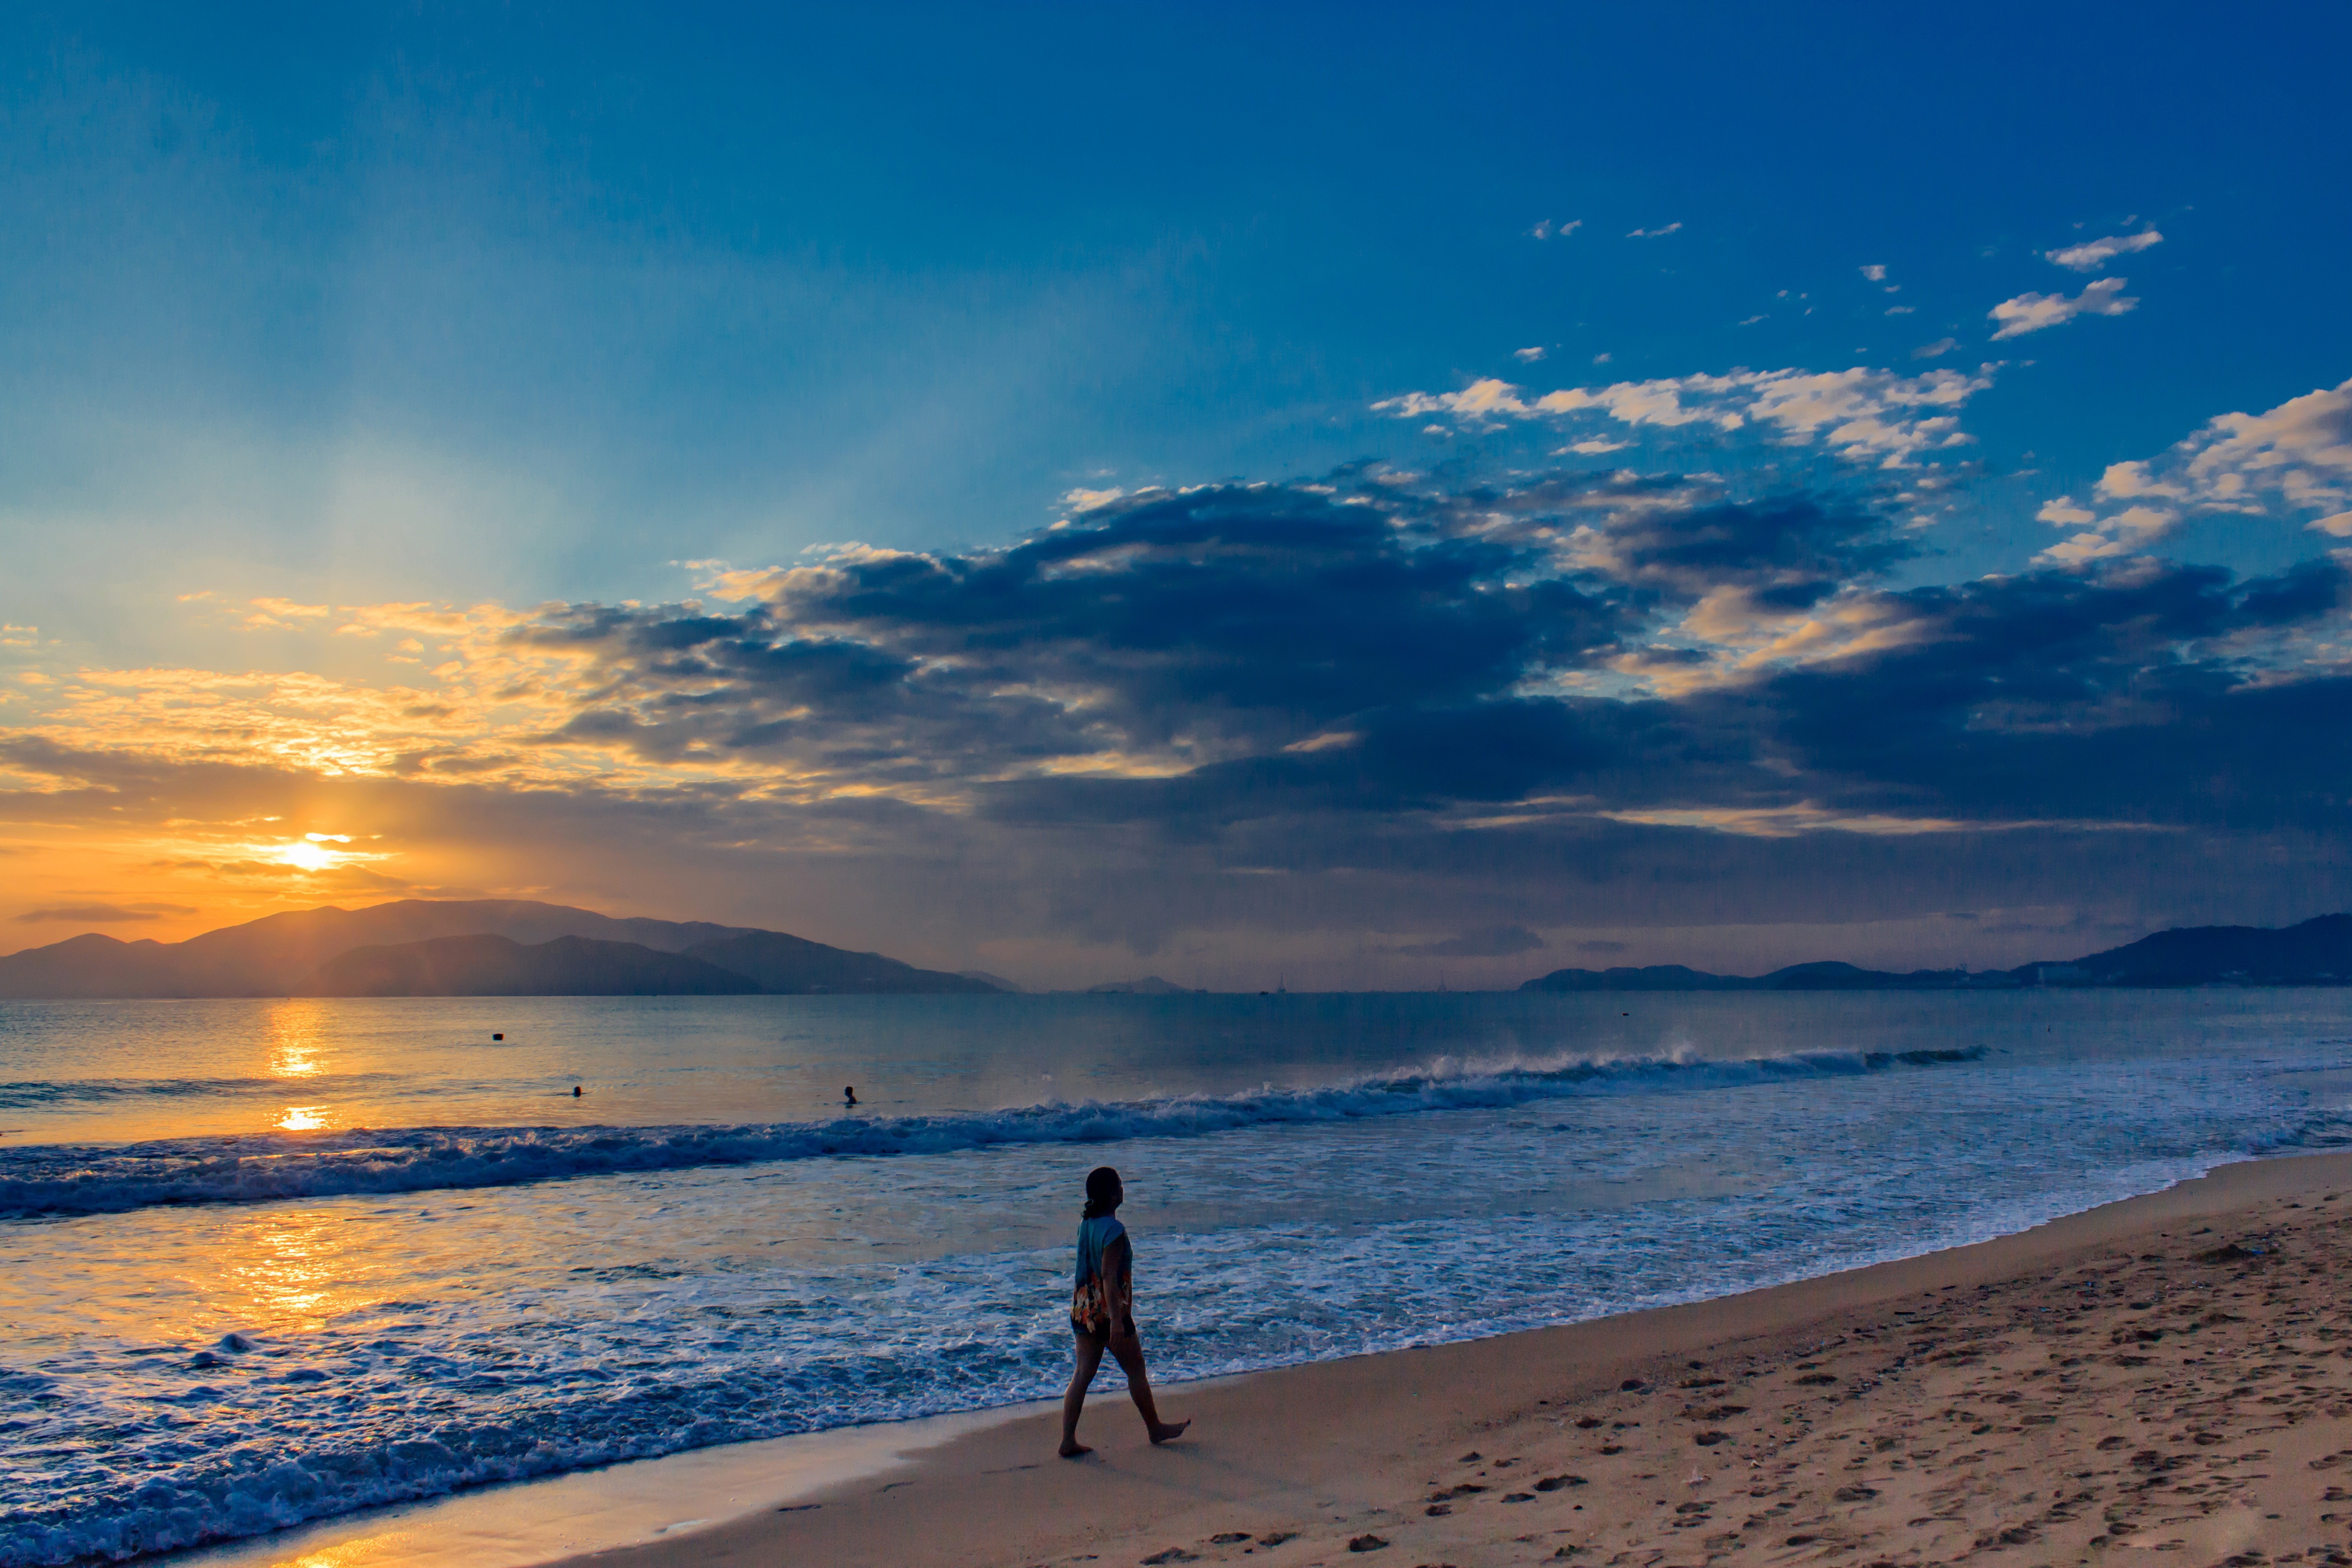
{"type": "Point", "coordinates": [486, 947]}
{"type": "Point", "coordinates": [2316, 952]}
{"type": "Point", "coordinates": [419, 947]}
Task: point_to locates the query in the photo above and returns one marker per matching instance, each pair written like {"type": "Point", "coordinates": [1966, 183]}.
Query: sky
{"type": "Point", "coordinates": [1346, 496]}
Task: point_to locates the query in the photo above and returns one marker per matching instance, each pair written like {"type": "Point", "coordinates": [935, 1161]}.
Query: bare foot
{"type": "Point", "coordinates": [1168, 1431]}
{"type": "Point", "coordinates": [1071, 1447]}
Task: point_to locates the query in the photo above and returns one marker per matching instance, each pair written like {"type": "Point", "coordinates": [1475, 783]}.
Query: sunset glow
{"type": "Point", "coordinates": [308, 856]}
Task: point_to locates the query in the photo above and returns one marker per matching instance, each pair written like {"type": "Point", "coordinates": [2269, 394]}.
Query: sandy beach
{"type": "Point", "coordinates": [2157, 1376]}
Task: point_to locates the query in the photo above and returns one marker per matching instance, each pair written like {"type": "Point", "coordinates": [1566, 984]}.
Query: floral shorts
{"type": "Point", "coordinates": [1090, 1311]}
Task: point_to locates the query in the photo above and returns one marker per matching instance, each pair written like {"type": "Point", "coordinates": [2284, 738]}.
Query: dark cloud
{"type": "Point", "coordinates": [1380, 679]}
{"type": "Point", "coordinates": [2116, 696]}
{"type": "Point", "coordinates": [1229, 621]}
{"type": "Point", "coordinates": [1788, 552]}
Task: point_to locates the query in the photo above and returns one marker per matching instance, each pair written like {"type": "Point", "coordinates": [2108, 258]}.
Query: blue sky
{"type": "Point", "coordinates": [458, 307]}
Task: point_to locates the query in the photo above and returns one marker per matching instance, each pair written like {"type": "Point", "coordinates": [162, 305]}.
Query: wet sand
{"type": "Point", "coordinates": [2160, 1381]}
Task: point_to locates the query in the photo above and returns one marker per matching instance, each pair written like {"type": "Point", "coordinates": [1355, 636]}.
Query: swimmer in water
{"type": "Point", "coordinates": [576, 1092]}
{"type": "Point", "coordinates": [849, 1094]}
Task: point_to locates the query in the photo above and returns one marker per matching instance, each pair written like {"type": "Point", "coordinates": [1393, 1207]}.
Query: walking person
{"type": "Point", "coordinates": [1102, 1314]}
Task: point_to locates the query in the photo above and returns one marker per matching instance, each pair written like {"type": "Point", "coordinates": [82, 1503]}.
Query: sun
{"type": "Point", "coordinates": [315, 851]}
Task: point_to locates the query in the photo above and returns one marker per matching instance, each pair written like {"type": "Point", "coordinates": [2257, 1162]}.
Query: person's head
{"type": "Point", "coordinates": [1104, 1194]}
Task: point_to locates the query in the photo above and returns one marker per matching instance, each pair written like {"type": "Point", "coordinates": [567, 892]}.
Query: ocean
{"type": "Point", "coordinates": [267, 1261]}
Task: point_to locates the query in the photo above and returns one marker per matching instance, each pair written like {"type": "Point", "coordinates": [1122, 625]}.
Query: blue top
{"type": "Point", "coordinates": [1095, 1236]}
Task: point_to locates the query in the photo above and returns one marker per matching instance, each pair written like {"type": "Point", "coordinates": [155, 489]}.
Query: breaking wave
{"type": "Point", "coordinates": [67, 1179]}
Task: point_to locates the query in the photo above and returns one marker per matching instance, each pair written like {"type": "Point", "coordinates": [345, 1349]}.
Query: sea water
{"type": "Point", "coordinates": [267, 1262]}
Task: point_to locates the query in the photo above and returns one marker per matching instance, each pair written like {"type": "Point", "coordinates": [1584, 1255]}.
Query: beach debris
{"type": "Point", "coordinates": [1554, 1483]}
{"type": "Point", "coordinates": [2229, 1252]}
{"type": "Point", "coordinates": [1814, 1379]}
{"type": "Point", "coordinates": [1588, 1423]}
{"type": "Point", "coordinates": [1174, 1554]}
{"type": "Point", "coordinates": [1466, 1488]}
{"type": "Point", "coordinates": [1518, 1497]}
{"type": "Point", "coordinates": [1695, 1479]}
{"type": "Point", "coordinates": [1855, 1493]}
{"type": "Point", "coordinates": [1437, 1510]}
{"type": "Point", "coordinates": [1231, 1538]}
{"type": "Point", "coordinates": [800, 1507]}
{"type": "Point", "coordinates": [1360, 1544]}
{"type": "Point", "coordinates": [1278, 1538]}
{"type": "Point", "coordinates": [1472, 1458]}
{"type": "Point", "coordinates": [1608, 1448]}
{"type": "Point", "coordinates": [1630, 1386]}
{"type": "Point", "coordinates": [1702, 1382]}
{"type": "Point", "coordinates": [1710, 1439]}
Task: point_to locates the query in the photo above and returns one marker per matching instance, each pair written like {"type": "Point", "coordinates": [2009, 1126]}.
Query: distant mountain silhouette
{"type": "Point", "coordinates": [2316, 952]}
{"type": "Point", "coordinates": [280, 954]}
{"type": "Point", "coordinates": [1149, 985]}
{"type": "Point", "coordinates": [500, 966]}
{"type": "Point", "coordinates": [792, 965]}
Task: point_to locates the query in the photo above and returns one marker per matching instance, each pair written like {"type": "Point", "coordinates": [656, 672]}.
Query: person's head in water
{"type": "Point", "coordinates": [1104, 1194]}
{"type": "Point", "coordinates": [849, 1094]}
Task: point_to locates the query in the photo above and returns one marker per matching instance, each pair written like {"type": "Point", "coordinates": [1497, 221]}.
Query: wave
{"type": "Point", "coordinates": [42, 1093]}
{"type": "Point", "coordinates": [69, 1178]}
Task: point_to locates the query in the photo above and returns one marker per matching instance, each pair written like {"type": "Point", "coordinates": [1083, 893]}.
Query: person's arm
{"type": "Point", "coordinates": [1119, 1286]}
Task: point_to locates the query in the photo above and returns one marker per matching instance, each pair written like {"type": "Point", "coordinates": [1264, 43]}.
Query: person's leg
{"type": "Point", "coordinates": [1129, 1352]}
{"type": "Point", "coordinates": [1090, 1354]}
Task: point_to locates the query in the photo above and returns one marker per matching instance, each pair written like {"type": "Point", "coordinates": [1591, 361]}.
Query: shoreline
{"type": "Point", "coordinates": [1328, 1426]}
{"type": "Point", "coordinates": [521, 1525]}
{"type": "Point", "coordinates": [1327, 1453]}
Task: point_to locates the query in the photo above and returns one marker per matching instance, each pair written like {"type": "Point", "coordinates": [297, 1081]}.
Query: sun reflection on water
{"type": "Point", "coordinates": [295, 1047]}
{"type": "Point", "coordinates": [287, 1269]}
{"type": "Point", "coordinates": [302, 1117]}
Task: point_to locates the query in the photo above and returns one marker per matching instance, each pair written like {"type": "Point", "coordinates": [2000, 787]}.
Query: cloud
{"type": "Point", "coordinates": [1490, 941]}
{"type": "Point", "coordinates": [2036, 312]}
{"type": "Point", "coordinates": [2093, 254]}
{"type": "Point", "coordinates": [1876, 272]}
{"type": "Point", "coordinates": [1860, 414]}
{"type": "Point", "coordinates": [270, 615]}
{"type": "Point", "coordinates": [1528, 356]}
{"type": "Point", "coordinates": [1901, 310]}
{"type": "Point", "coordinates": [1555, 701]}
{"type": "Point", "coordinates": [1545, 230]}
{"type": "Point", "coordinates": [1935, 349]}
{"type": "Point", "coordinates": [2294, 460]}
{"type": "Point", "coordinates": [101, 914]}
{"type": "Point", "coordinates": [1653, 233]}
